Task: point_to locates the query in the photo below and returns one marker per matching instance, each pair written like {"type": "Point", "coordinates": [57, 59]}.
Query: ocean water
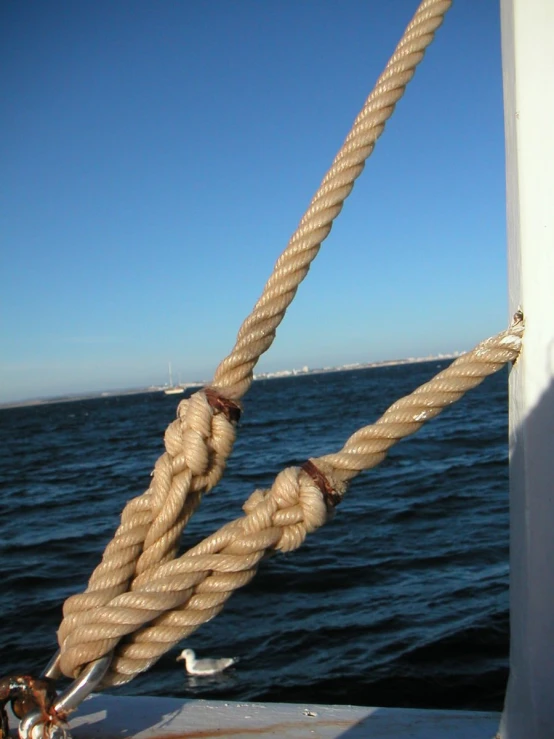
{"type": "Point", "coordinates": [402, 599]}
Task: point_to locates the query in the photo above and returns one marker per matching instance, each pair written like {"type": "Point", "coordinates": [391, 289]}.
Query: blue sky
{"type": "Point", "coordinates": [157, 156]}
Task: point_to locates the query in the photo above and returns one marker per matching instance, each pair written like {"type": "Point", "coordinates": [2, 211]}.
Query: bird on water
{"type": "Point", "coordinates": [204, 666]}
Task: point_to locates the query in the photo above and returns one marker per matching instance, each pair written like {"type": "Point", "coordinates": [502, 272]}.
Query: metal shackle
{"type": "Point", "coordinates": [68, 700]}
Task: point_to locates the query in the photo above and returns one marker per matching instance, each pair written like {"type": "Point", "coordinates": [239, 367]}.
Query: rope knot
{"type": "Point", "coordinates": [202, 436]}
{"type": "Point", "coordinates": [294, 506]}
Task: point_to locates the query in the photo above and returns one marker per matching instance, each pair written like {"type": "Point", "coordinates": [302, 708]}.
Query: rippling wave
{"type": "Point", "coordinates": [400, 600]}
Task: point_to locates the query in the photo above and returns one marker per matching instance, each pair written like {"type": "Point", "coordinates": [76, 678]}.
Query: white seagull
{"type": "Point", "coordinates": [204, 666]}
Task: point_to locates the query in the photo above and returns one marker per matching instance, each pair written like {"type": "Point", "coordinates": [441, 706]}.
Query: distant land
{"type": "Point", "coordinates": [261, 376]}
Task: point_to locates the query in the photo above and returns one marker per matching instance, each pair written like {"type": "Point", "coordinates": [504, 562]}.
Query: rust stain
{"type": "Point", "coordinates": [256, 731]}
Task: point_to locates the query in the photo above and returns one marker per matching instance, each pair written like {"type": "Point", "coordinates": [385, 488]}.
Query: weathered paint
{"type": "Point", "coordinates": [528, 65]}
{"type": "Point", "coordinates": [107, 717]}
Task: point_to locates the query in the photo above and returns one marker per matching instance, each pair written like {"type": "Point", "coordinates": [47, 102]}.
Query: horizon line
{"type": "Point", "coordinates": [277, 374]}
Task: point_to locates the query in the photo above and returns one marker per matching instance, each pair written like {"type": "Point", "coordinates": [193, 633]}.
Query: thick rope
{"type": "Point", "coordinates": [180, 595]}
{"type": "Point", "coordinates": [234, 375]}
{"type": "Point", "coordinates": [200, 440]}
{"type": "Point", "coordinates": [197, 446]}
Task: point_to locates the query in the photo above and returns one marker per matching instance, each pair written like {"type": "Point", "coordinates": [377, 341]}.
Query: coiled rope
{"type": "Point", "coordinates": [139, 586]}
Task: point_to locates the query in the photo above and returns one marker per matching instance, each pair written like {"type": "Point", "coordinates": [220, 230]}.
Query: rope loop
{"type": "Point", "coordinates": [140, 591]}
{"type": "Point", "coordinates": [171, 600]}
{"type": "Point", "coordinates": [197, 445]}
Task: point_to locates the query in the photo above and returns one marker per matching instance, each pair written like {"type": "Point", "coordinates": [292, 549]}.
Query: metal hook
{"type": "Point", "coordinates": [70, 699]}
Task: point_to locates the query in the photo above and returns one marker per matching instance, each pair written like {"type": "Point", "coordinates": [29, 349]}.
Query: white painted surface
{"type": "Point", "coordinates": [528, 68]}
{"type": "Point", "coordinates": [103, 716]}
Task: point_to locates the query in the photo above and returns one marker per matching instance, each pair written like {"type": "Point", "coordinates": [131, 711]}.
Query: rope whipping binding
{"type": "Point", "coordinates": [200, 440]}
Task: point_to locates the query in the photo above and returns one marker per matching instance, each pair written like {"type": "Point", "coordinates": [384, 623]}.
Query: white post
{"type": "Point", "coordinates": [528, 70]}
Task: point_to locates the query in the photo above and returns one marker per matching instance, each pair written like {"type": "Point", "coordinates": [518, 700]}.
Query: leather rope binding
{"type": "Point", "coordinates": [331, 497]}
{"type": "Point", "coordinates": [230, 408]}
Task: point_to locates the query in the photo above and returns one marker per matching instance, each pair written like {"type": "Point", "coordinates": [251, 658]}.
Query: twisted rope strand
{"type": "Point", "coordinates": [369, 446]}
{"type": "Point", "coordinates": [184, 593]}
{"type": "Point", "coordinates": [234, 375]}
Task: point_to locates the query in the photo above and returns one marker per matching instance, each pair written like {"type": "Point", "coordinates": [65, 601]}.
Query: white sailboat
{"type": "Point", "coordinates": [172, 389]}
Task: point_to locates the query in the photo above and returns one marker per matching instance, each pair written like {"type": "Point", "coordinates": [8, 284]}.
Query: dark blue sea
{"type": "Point", "coordinates": [402, 599]}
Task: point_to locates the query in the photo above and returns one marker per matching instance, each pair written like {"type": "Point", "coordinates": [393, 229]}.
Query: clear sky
{"type": "Point", "coordinates": [157, 156]}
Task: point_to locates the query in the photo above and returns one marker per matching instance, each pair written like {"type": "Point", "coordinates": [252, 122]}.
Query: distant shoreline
{"type": "Point", "coordinates": [279, 374]}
